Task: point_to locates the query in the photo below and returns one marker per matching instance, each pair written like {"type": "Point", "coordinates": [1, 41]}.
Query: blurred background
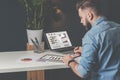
{"type": "Point", "coordinates": [60, 15]}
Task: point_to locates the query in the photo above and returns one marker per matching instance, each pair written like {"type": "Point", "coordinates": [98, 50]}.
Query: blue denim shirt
{"type": "Point", "coordinates": [101, 51]}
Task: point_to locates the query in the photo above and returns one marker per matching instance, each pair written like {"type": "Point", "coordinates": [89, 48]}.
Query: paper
{"type": "Point", "coordinates": [51, 58]}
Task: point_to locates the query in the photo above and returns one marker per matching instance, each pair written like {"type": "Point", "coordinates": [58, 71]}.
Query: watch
{"type": "Point", "coordinates": [72, 60]}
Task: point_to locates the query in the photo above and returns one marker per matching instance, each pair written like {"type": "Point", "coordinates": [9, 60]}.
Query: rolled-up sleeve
{"type": "Point", "coordinates": [88, 57]}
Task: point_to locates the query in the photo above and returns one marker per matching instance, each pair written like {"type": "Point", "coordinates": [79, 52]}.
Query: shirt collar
{"type": "Point", "coordinates": [99, 20]}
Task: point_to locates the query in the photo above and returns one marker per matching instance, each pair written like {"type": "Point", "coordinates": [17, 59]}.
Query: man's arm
{"type": "Point", "coordinates": [88, 58]}
{"type": "Point", "coordinates": [73, 65]}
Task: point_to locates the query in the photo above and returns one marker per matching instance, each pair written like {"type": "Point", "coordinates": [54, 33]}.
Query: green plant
{"type": "Point", "coordinates": [34, 10]}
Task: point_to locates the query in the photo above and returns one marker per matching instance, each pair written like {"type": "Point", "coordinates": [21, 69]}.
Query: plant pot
{"type": "Point", "coordinates": [32, 34]}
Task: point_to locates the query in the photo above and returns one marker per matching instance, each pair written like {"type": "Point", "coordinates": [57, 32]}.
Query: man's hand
{"type": "Point", "coordinates": [66, 58]}
{"type": "Point", "coordinates": [78, 51]}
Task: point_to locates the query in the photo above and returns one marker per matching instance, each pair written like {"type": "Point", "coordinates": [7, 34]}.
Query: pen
{"type": "Point", "coordinates": [35, 44]}
{"type": "Point", "coordinates": [36, 40]}
{"type": "Point", "coordinates": [75, 56]}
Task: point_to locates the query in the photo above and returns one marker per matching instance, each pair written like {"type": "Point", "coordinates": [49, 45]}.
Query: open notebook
{"type": "Point", "coordinates": [59, 41]}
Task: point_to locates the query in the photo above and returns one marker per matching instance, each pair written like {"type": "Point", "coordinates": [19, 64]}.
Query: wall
{"type": "Point", "coordinates": [12, 33]}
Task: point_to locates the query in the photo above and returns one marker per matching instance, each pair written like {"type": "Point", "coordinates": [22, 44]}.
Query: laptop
{"type": "Point", "coordinates": [59, 41]}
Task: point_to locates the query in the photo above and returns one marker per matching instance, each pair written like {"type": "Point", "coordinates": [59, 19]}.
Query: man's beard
{"type": "Point", "coordinates": [88, 26]}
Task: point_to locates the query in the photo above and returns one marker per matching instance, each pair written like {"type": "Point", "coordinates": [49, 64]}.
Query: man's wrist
{"type": "Point", "coordinates": [72, 60]}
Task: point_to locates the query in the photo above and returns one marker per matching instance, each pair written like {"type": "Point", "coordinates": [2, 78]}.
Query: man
{"type": "Point", "coordinates": [100, 51]}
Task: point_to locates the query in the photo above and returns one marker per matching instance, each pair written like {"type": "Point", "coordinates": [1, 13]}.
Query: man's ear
{"type": "Point", "coordinates": [90, 16]}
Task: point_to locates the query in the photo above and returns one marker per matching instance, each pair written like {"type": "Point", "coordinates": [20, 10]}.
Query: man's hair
{"type": "Point", "coordinates": [93, 4]}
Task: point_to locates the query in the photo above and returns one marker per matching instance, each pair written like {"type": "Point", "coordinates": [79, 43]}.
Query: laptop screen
{"type": "Point", "coordinates": [57, 40]}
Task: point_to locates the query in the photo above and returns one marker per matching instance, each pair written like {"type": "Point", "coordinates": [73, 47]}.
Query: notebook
{"type": "Point", "coordinates": [59, 41]}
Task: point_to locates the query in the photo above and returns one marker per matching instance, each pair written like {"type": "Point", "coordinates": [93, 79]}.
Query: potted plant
{"type": "Point", "coordinates": [34, 10]}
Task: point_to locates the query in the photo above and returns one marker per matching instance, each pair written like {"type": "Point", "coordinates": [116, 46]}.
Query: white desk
{"type": "Point", "coordinates": [9, 62]}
